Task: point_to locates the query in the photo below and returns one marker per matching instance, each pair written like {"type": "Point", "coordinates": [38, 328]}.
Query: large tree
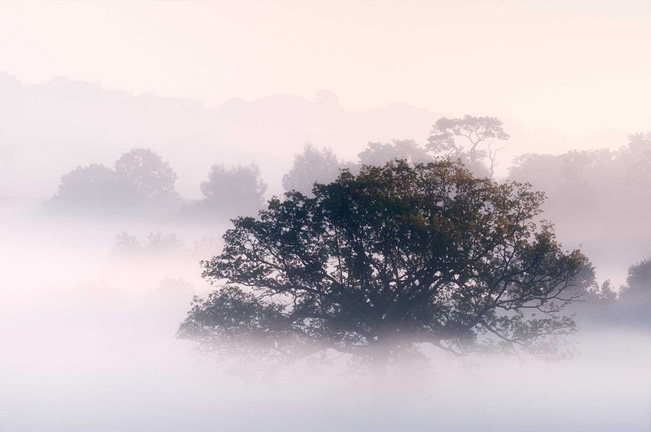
{"type": "Point", "coordinates": [384, 261]}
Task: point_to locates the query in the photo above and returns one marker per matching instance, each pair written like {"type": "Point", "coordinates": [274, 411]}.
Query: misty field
{"type": "Point", "coordinates": [88, 344]}
{"type": "Point", "coordinates": [297, 216]}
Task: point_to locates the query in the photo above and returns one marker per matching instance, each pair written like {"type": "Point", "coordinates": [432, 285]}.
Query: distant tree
{"type": "Point", "coordinates": [238, 190]}
{"type": "Point", "coordinates": [585, 187]}
{"type": "Point", "coordinates": [379, 154]}
{"type": "Point", "coordinates": [94, 185]}
{"type": "Point", "coordinates": [635, 158]}
{"type": "Point", "coordinates": [638, 286]}
{"type": "Point", "coordinates": [542, 170]}
{"type": "Point", "coordinates": [126, 245]}
{"type": "Point", "coordinates": [470, 139]}
{"type": "Point", "coordinates": [152, 177]}
{"type": "Point", "coordinates": [140, 178]}
{"type": "Point", "coordinates": [164, 244]}
{"type": "Point", "coordinates": [597, 301]}
{"type": "Point", "coordinates": [602, 294]}
{"type": "Point", "coordinates": [639, 144]}
{"type": "Point", "coordinates": [382, 262]}
{"type": "Point", "coordinates": [311, 166]}
{"type": "Point", "coordinates": [568, 179]}
{"type": "Point", "coordinates": [598, 198]}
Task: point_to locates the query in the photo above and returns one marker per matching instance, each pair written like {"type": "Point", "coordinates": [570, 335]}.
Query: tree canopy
{"type": "Point", "coordinates": [239, 189]}
{"type": "Point", "coordinates": [141, 177]}
{"type": "Point", "coordinates": [470, 139]}
{"type": "Point", "coordinates": [382, 153]}
{"type": "Point", "coordinates": [95, 184]}
{"type": "Point", "coordinates": [638, 285]}
{"type": "Point", "coordinates": [311, 166]}
{"type": "Point", "coordinates": [152, 177]}
{"type": "Point", "coordinates": [598, 198]}
{"type": "Point", "coordinates": [388, 260]}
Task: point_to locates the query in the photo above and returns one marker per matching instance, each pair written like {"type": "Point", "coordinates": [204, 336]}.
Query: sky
{"type": "Point", "coordinates": [573, 67]}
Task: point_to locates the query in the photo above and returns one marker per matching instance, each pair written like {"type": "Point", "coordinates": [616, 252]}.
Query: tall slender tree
{"type": "Point", "coordinates": [471, 139]}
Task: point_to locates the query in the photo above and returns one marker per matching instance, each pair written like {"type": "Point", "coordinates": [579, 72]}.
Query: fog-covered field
{"type": "Point", "coordinates": [88, 344]}
{"type": "Point", "coordinates": [459, 174]}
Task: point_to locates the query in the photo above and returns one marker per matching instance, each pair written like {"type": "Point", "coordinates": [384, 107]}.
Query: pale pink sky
{"type": "Point", "coordinates": [573, 67]}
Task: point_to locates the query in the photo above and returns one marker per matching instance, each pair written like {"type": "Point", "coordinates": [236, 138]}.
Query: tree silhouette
{"type": "Point", "coordinates": [95, 185]}
{"type": "Point", "coordinates": [238, 190]}
{"type": "Point", "coordinates": [152, 177]}
{"type": "Point", "coordinates": [586, 199]}
{"type": "Point", "coordinates": [471, 139]}
{"type": "Point", "coordinates": [380, 154]}
{"type": "Point", "coordinates": [387, 260]}
{"type": "Point", "coordinates": [141, 180]}
{"type": "Point", "coordinates": [311, 166]}
{"type": "Point", "coordinates": [637, 292]}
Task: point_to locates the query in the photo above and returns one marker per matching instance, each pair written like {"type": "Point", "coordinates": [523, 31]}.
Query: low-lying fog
{"type": "Point", "coordinates": [130, 132]}
{"type": "Point", "coordinates": [87, 329]}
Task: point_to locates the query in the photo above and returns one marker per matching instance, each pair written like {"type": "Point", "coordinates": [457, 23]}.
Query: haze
{"type": "Point", "coordinates": [229, 103]}
{"type": "Point", "coordinates": [575, 68]}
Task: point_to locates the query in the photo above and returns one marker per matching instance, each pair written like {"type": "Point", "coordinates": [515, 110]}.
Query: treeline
{"type": "Point", "coordinates": [599, 200]}
{"type": "Point", "coordinates": [629, 305]}
{"type": "Point", "coordinates": [603, 190]}
{"type": "Point", "coordinates": [142, 182]}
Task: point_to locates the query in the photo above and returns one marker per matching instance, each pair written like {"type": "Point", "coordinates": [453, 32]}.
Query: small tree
{"type": "Point", "coordinates": [382, 262]}
{"type": "Point", "coordinates": [380, 154]}
{"type": "Point", "coordinates": [94, 185]}
{"type": "Point", "coordinates": [637, 291]}
{"type": "Point", "coordinates": [311, 166]}
{"type": "Point", "coordinates": [152, 177]}
{"type": "Point", "coordinates": [471, 139]}
{"type": "Point", "coordinates": [237, 190]}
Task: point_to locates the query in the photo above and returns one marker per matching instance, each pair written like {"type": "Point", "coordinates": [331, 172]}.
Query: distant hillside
{"type": "Point", "coordinates": [48, 129]}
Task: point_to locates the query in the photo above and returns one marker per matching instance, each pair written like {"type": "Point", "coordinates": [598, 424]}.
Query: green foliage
{"type": "Point", "coordinates": [231, 321]}
{"type": "Point", "coordinates": [389, 259]}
